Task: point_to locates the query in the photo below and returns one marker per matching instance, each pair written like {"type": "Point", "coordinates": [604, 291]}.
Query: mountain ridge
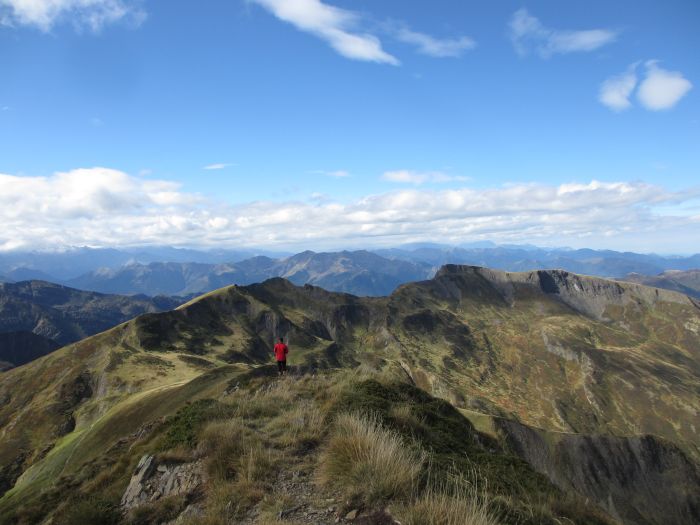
{"type": "Point", "coordinates": [504, 345]}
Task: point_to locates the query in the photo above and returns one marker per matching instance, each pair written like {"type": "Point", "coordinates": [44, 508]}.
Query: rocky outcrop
{"type": "Point", "coordinates": [639, 480]}
{"type": "Point", "coordinates": [590, 296]}
{"type": "Point", "coordinates": [152, 481]}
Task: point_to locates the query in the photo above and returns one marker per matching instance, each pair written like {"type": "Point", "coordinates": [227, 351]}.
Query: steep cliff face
{"type": "Point", "coordinates": [640, 480]}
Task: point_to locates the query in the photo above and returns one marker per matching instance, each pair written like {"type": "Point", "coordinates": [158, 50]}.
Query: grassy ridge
{"type": "Point", "coordinates": [373, 441]}
{"type": "Point", "coordinates": [622, 362]}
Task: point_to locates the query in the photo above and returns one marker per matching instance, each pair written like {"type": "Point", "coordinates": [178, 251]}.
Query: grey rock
{"type": "Point", "coordinates": [151, 482]}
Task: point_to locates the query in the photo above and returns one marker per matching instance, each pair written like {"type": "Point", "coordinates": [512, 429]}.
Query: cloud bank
{"type": "Point", "coordinates": [106, 207]}
{"type": "Point", "coordinates": [528, 35]}
{"type": "Point", "coordinates": [90, 14]}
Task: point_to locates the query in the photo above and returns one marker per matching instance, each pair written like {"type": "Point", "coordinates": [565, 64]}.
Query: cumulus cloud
{"type": "Point", "coordinates": [420, 177]}
{"type": "Point", "coordinates": [435, 47]}
{"type": "Point", "coordinates": [662, 89]}
{"type": "Point", "coordinates": [529, 34]}
{"type": "Point", "coordinates": [334, 25]}
{"type": "Point", "coordinates": [92, 14]}
{"type": "Point", "coordinates": [615, 92]}
{"type": "Point", "coordinates": [105, 207]}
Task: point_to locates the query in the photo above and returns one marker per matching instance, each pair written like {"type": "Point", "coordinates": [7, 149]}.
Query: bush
{"type": "Point", "coordinates": [184, 425]}
{"type": "Point", "coordinates": [366, 460]}
{"type": "Point", "coordinates": [91, 511]}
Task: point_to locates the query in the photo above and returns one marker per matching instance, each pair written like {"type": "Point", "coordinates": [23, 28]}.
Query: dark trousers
{"type": "Point", "coordinates": [282, 366]}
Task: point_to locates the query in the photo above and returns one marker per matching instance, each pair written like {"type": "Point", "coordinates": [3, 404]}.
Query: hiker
{"type": "Point", "coordinates": [281, 352]}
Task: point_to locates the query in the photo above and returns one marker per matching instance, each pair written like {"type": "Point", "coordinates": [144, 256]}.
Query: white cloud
{"type": "Point", "coordinates": [420, 177]}
{"type": "Point", "coordinates": [428, 45]}
{"type": "Point", "coordinates": [615, 92]}
{"type": "Point", "coordinates": [334, 25]}
{"type": "Point", "coordinates": [105, 207]}
{"type": "Point", "coordinates": [338, 174]}
{"type": "Point", "coordinates": [662, 89]}
{"type": "Point", "coordinates": [528, 33]}
{"type": "Point", "coordinates": [216, 166]}
{"type": "Point", "coordinates": [92, 14]}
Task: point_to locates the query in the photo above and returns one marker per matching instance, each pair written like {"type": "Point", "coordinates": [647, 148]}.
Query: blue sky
{"type": "Point", "coordinates": [346, 124]}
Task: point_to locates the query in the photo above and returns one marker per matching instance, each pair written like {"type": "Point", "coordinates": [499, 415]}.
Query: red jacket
{"type": "Point", "coordinates": [281, 352]}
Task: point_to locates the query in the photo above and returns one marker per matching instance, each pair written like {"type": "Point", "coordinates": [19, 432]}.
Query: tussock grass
{"type": "Point", "coordinates": [239, 465]}
{"type": "Point", "coordinates": [455, 499]}
{"type": "Point", "coordinates": [441, 508]}
{"type": "Point", "coordinates": [304, 424]}
{"type": "Point", "coordinates": [223, 443]}
{"type": "Point", "coordinates": [364, 459]}
{"type": "Point", "coordinates": [161, 511]}
{"type": "Point", "coordinates": [404, 416]}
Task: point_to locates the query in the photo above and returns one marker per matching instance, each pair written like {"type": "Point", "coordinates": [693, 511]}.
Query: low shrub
{"type": "Point", "coordinates": [183, 427]}
{"type": "Point", "coordinates": [91, 511]}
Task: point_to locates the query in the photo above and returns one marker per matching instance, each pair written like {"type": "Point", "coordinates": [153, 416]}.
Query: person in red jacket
{"type": "Point", "coordinates": [281, 352]}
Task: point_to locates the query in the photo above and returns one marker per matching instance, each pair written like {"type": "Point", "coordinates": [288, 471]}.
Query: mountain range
{"type": "Point", "coordinates": [359, 272]}
{"type": "Point", "coordinates": [560, 384]}
{"type": "Point", "coordinates": [36, 317]}
{"type": "Point", "coordinates": [601, 263]}
{"type": "Point", "coordinates": [186, 272]}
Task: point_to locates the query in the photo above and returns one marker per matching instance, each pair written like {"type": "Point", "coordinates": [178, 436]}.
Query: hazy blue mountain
{"type": "Point", "coordinates": [176, 271]}
{"type": "Point", "coordinates": [360, 273]}
{"type": "Point", "coordinates": [602, 263]}
{"type": "Point", "coordinates": [37, 317]}
{"type": "Point", "coordinates": [69, 264]}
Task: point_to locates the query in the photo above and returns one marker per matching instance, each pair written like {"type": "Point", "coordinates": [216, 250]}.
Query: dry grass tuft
{"type": "Point", "coordinates": [223, 443]}
{"type": "Point", "coordinates": [303, 424]}
{"type": "Point", "coordinates": [366, 460]}
{"type": "Point", "coordinates": [405, 417]}
{"type": "Point", "coordinates": [443, 508]}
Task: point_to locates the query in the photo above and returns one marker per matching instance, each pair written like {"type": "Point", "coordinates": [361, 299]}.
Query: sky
{"type": "Point", "coordinates": [328, 124]}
